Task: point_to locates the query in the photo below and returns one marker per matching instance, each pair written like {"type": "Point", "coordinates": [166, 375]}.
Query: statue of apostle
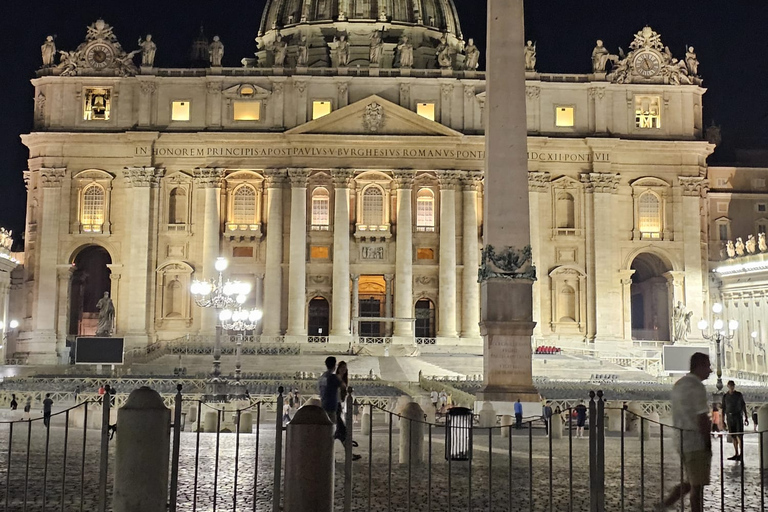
{"type": "Point", "coordinates": [473, 55]}
{"type": "Point", "coordinates": [405, 50]}
{"type": "Point", "coordinates": [280, 50]}
{"type": "Point", "coordinates": [216, 52]}
{"type": "Point", "coordinates": [342, 51]}
{"type": "Point", "coordinates": [530, 56]}
{"type": "Point", "coordinates": [48, 49]}
{"type": "Point", "coordinates": [148, 49]}
{"type": "Point", "coordinates": [302, 57]}
{"type": "Point", "coordinates": [376, 49]}
{"type": "Point", "coordinates": [443, 52]}
{"type": "Point", "coordinates": [106, 316]}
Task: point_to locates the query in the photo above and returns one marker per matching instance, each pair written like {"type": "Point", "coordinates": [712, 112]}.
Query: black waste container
{"type": "Point", "coordinates": [458, 431]}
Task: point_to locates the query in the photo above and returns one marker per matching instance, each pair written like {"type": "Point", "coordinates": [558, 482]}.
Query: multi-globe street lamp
{"type": "Point", "coordinates": [719, 336]}
{"type": "Point", "coordinates": [219, 295]}
{"type": "Point", "coordinates": [240, 321]}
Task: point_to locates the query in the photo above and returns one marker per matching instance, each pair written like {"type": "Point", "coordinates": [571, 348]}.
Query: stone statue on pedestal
{"type": "Point", "coordinates": [681, 323]}
{"type": "Point", "coordinates": [148, 49]}
{"type": "Point", "coordinates": [601, 56]}
{"type": "Point", "coordinates": [216, 52]}
{"type": "Point", "coordinates": [69, 62]}
{"type": "Point", "coordinates": [473, 55]}
{"type": "Point", "coordinates": [530, 56]}
{"type": "Point", "coordinates": [751, 244]}
{"type": "Point", "coordinates": [739, 247]}
{"type": "Point", "coordinates": [691, 62]}
{"type": "Point", "coordinates": [761, 242]}
{"type": "Point", "coordinates": [342, 50]}
{"type": "Point", "coordinates": [443, 52]}
{"type": "Point", "coordinates": [302, 57]}
{"type": "Point", "coordinates": [279, 50]}
{"type": "Point", "coordinates": [730, 249]}
{"type": "Point", "coordinates": [377, 49]}
{"type": "Point", "coordinates": [405, 50]}
{"type": "Point", "coordinates": [48, 49]}
{"type": "Point", "coordinates": [106, 316]}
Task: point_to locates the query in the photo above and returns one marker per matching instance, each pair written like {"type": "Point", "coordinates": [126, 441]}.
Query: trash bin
{"type": "Point", "coordinates": [459, 430]}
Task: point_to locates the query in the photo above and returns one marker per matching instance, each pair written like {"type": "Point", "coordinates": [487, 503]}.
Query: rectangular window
{"type": "Point", "coordinates": [242, 252]}
{"type": "Point", "coordinates": [761, 227]}
{"type": "Point", "coordinates": [723, 231]}
{"type": "Point", "coordinates": [319, 252]}
{"type": "Point", "coordinates": [247, 110]}
{"type": "Point", "coordinates": [320, 109]}
{"type": "Point", "coordinates": [722, 207]}
{"type": "Point", "coordinates": [564, 116]}
{"type": "Point", "coordinates": [97, 104]}
{"type": "Point", "coordinates": [426, 110]}
{"type": "Point", "coordinates": [648, 112]}
{"type": "Point", "coordinates": [423, 253]}
{"type": "Point", "coordinates": [761, 207]}
{"type": "Point", "coordinates": [180, 111]}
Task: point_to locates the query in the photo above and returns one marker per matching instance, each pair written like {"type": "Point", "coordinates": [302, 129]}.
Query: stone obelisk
{"type": "Point", "coordinates": [506, 274]}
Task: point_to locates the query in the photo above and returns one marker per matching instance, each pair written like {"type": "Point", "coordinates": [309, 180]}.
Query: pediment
{"type": "Point", "coordinates": [247, 90]}
{"type": "Point", "coordinates": [566, 182]}
{"type": "Point", "coordinates": [374, 116]}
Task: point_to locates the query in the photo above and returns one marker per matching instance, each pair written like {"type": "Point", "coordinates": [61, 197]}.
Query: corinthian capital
{"type": "Point", "coordinates": [342, 178]}
{"type": "Point", "coordinates": [209, 177]}
{"type": "Point", "coordinates": [404, 178]}
{"type": "Point", "coordinates": [695, 186]}
{"type": "Point", "coordinates": [601, 182]}
{"type": "Point", "coordinates": [142, 176]}
{"type": "Point", "coordinates": [51, 177]}
{"type": "Point", "coordinates": [470, 181]}
{"type": "Point", "coordinates": [449, 180]}
{"type": "Point", "coordinates": [538, 181]}
{"type": "Point", "coordinates": [298, 177]}
{"type": "Point", "coordinates": [275, 178]}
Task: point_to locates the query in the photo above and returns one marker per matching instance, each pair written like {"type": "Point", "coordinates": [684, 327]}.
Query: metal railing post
{"type": "Point", "coordinates": [600, 455]}
{"type": "Point", "coordinates": [278, 450]}
{"type": "Point", "coordinates": [175, 448]}
{"type": "Point", "coordinates": [104, 456]}
{"type": "Point", "coordinates": [349, 419]}
{"type": "Point", "coordinates": [593, 491]}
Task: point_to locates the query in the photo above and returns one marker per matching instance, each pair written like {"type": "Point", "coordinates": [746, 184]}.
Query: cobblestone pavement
{"type": "Point", "coordinates": [642, 474]}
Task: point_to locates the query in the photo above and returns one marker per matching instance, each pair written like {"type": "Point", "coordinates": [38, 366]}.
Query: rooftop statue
{"type": "Point", "coordinates": [739, 247]}
{"type": "Point", "coordinates": [443, 52]}
{"type": "Point", "coordinates": [761, 242]}
{"type": "Point", "coordinates": [342, 50]}
{"type": "Point", "coordinates": [691, 62]}
{"type": "Point", "coordinates": [730, 249]}
{"type": "Point", "coordinates": [530, 56]}
{"type": "Point", "coordinates": [48, 49]}
{"type": "Point", "coordinates": [405, 51]}
{"type": "Point", "coordinates": [302, 56]}
{"type": "Point", "coordinates": [148, 49]}
{"type": "Point", "coordinates": [601, 56]}
{"type": "Point", "coordinates": [472, 55]}
{"type": "Point", "coordinates": [376, 49]}
{"type": "Point", "coordinates": [216, 52]}
{"type": "Point", "coordinates": [69, 62]}
{"type": "Point", "coordinates": [751, 244]}
{"type": "Point", "coordinates": [279, 50]}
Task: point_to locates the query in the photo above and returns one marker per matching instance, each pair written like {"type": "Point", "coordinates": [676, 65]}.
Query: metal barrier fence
{"type": "Point", "coordinates": [231, 457]}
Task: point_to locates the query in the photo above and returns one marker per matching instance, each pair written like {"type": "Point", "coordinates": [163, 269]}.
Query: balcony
{"type": "Point", "coordinates": [243, 231]}
{"type": "Point", "coordinates": [373, 233]}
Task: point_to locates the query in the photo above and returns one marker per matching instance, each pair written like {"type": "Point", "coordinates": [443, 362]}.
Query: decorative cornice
{"type": "Point", "coordinates": [601, 182]}
{"type": "Point", "coordinates": [142, 176]}
{"type": "Point", "coordinates": [404, 178]}
{"type": "Point", "coordinates": [275, 178]}
{"type": "Point", "coordinates": [209, 177]}
{"type": "Point", "coordinates": [470, 181]}
{"type": "Point", "coordinates": [50, 177]}
{"type": "Point", "coordinates": [298, 177]}
{"type": "Point", "coordinates": [695, 186]}
{"type": "Point", "coordinates": [342, 178]}
{"type": "Point", "coordinates": [538, 181]}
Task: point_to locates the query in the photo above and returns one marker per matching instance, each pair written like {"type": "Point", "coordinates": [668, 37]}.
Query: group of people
{"type": "Point", "coordinates": [732, 416]}
{"type": "Point", "coordinates": [333, 387]}
{"type": "Point", "coordinates": [441, 402]}
{"type": "Point", "coordinates": [47, 408]}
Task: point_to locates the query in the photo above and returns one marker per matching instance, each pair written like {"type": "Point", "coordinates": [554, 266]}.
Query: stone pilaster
{"type": "Point", "coordinates": [447, 271]}
{"type": "Point", "coordinates": [539, 188]}
{"type": "Point", "coordinates": [506, 296]}
{"type": "Point", "coordinates": [589, 256]}
{"type": "Point", "coordinates": [210, 180]}
{"type": "Point", "coordinates": [355, 302]}
{"type": "Point", "coordinates": [258, 294]}
{"type": "Point", "coordinates": [42, 345]}
{"type": "Point", "coordinates": [694, 189]}
{"type": "Point", "coordinates": [388, 279]}
{"type": "Point", "coordinates": [341, 180]}
{"type": "Point", "coordinates": [470, 302]}
{"type": "Point", "coordinates": [64, 272]}
{"type": "Point", "coordinates": [273, 275]}
{"type": "Point", "coordinates": [404, 254]}
{"type": "Point", "coordinates": [297, 259]}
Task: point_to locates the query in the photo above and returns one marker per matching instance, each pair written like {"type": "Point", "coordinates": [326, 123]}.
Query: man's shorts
{"type": "Point", "coordinates": [697, 467]}
{"type": "Point", "coordinates": [735, 424]}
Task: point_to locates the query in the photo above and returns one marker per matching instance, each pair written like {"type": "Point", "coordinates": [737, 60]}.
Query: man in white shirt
{"type": "Point", "coordinates": [433, 396]}
{"type": "Point", "coordinates": [690, 416]}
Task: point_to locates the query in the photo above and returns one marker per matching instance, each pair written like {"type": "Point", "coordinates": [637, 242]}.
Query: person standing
{"type": "Point", "coordinates": [443, 401]}
{"type": "Point", "coordinates": [547, 416]}
{"type": "Point", "coordinates": [690, 416]}
{"type": "Point", "coordinates": [581, 419]}
{"type": "Point", "coordinates": [27, 408]}
{"type": "Point", "coordinates": [518, 415]}
{"type": "Point", "coordinates": [286, 413]}
{"type": "Point", "coordinates": [754, 418]}
{"type": "Point", "coordinates": [328, 386]}
{"type": "Point", "coordinates": [47, 405]}
{"type": "Point", "coordinates": [14, 403]}
{"type": "Point", "coordinates": [434, 397]}
{"type": "Point", "coordinates": [736, 416]}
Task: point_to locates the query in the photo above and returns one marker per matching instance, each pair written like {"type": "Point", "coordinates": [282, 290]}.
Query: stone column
{"type": "Point", "coordinates": [696, 271]}
{"type": "Point", "coordinates": [447, 269]}
{"type": "Point", "coordinates": [470, 302]}
{"type": "Point", "coordinates": [210, 180]}
{"type": "Point", "coordinates": [340, 307]}
{"type": "Point", "coordinates": [626, 301]}
{"type": "Point", "coordinates": [258, 293]}
{"type": "Point", "coordinates": [388, 279]}
{"type": "Point", "coordinates": [42, 345]}
{"type": "Point", "coordinates": [273, 275]}
{"type": "Point", "coordinates": [297, 259]}
{"type": "Point", "coordinates": [404, 255]}
{"type": "Point", "coordinates": [589, 256]}
{"type": "Point", "coordinates": [141, 181]}
{"type": "Point", "coordinates": [65, 276]}
{"type": "Point", "coordinates": [540, 190]}
{"type": "Point", "coordinates": [506, 293]}
{"type": "Point", "coordinates": [355, 302]}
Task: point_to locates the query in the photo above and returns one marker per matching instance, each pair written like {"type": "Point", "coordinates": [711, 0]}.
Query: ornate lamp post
{"type": "Point", "coordinates": [240, 320]}
{"type": "Point", "coordinates": [719, 336]}
{"type": "Point", "coordinates": [219, 295]}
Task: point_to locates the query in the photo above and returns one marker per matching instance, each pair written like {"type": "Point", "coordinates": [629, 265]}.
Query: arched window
{"type": "Point", "coordinates": [244, 205]}
{"type": "Point", "coordinates": [567, 305]}
{"type": "Point", "coordinates": [321, 201]}
{"type": "Point", "coordinates": [373, 206]}
{"type": "Point", "coordinates": [177, 206]}
{"type": "Point", "coordinates": [92, 211]}
{"type": "Point", "coordinates": [425, 210]}
{"type": "Point", "coordinates": [566, 211]}
{"type": "Point", "coordinates": [649, 215]}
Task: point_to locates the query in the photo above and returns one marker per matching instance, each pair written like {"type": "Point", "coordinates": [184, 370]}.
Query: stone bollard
{"type": "Point", "coordinates": [614, 420]}
{"type": "Point", "coordinates": [309, 464]}
{"type": "Point", "coordinates": [246, 422]}
{"type": "Point", "coordinates": [209, 421]}
{"type": "Point", "coordinates": [762, 426]}
{"type": "Point", "coordinates": [506, 425]}
{"type": "Point", "coordinates": [365, 421]}
{"type": "Point", "coordinates": [653, 423]}
{"type": "Point", "coordinates": [314, 401]}
{"type": "Point", "coordinates": [412, 434]}
{"type": "Point", "coordinates": [141, 453]}
{"type": "Point", "coordinates": [556, 427]}
{"type": "Point", "coordinates": [487, 416]}
{"type": "Point", "coordinates": [643, 431]}
{"type": "Point", "coordinates": [192, 414]}
{"type": "Point", "coordinates": [632, 421]}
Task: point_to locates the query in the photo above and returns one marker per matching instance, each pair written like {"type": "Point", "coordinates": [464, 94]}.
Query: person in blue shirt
{"type": "Point", "coordinates": [518, 414]}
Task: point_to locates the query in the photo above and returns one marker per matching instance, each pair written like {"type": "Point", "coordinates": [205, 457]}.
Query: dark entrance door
{"type": "Point", "coordinates": [319, 313]}
{"type": "Point", "coordinates": [89, 282]}
{"type": "Point", "coordinates": [425, 319]}
{"type": "Point", "coordinates": [370, 308]}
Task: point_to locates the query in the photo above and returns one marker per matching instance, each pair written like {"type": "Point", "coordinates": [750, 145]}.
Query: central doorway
{"type": "Point", "coordinates": [319, 315]}
{"type": "Point", "coordinates": [90, 279]}
{"type": "Point", "coordinates": [372, 292]}
{"type": "Point", "coordinates": [650, 298]}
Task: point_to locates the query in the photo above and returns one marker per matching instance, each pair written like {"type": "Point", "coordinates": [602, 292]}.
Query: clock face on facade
{"type": "Point", "coordinates": [99, 55]}
{"type": "Point", "coordinates": [647, 64]}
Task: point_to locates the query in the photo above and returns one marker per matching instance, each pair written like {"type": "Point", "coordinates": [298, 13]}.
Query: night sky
{"type": "Point", "coordinates": [728, 37]}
